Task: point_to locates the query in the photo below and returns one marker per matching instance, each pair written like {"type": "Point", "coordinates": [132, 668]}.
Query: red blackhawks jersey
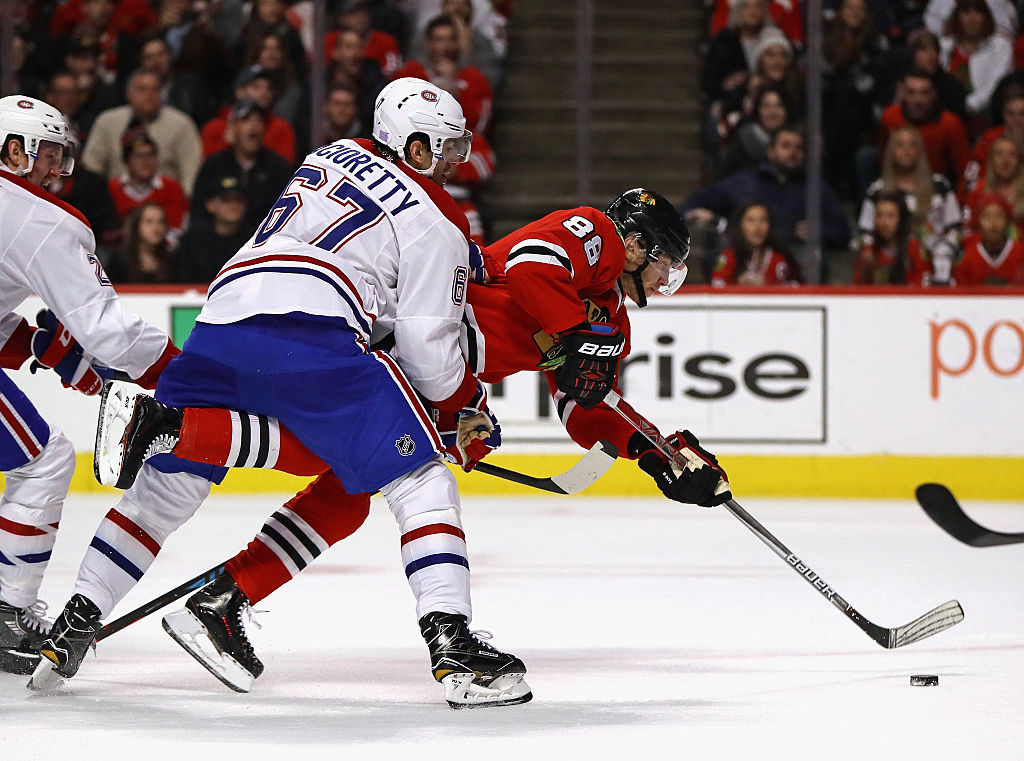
{"type": "Point", "coordinates": [547, 277]}
{"type": "Point", "coordinates": [980, 267]}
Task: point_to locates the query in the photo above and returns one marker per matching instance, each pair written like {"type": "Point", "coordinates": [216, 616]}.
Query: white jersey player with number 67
{"type": "Point", "coordinates": [360, 244]}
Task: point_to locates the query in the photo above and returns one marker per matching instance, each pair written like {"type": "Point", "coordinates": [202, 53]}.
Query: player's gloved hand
{"type": "Point", "coordinates": [591, 363]}
{"type": "Point", "coordinates": [477, 268]}
{"type": "Point", "coordinates": [702, 482]}
{"type": "Point", "coordinates": [55, 348]}
{"type": "Point", "coordinates": [470, 434]}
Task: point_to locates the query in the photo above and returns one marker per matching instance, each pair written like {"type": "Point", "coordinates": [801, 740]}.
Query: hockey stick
{"type": "Point", "coordinates": [942, 507]}
{"type": "Point", "coordinates": [594, 464]}
{"type": "Point", "coordinates": [107, 373]}
{"type": "Point", "coordinates": [158, 602]}
{"type": "Point", "coordinates": [934, 621]}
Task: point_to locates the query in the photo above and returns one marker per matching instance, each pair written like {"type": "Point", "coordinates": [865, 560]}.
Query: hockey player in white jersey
{"type": "Point", "coordinates": [47, 248]}
{"type": "Point", "coordinates": [360, 244]}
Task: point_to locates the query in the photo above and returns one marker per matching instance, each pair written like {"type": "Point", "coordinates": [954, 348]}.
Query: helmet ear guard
{"type": "Point", "coordinates": [659, 230]}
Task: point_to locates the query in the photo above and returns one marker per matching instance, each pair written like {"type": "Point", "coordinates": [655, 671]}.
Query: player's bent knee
{"type": "Point", "coordinates": [429, 487]}
{"type": "Point", "coordinates": [45, 480]}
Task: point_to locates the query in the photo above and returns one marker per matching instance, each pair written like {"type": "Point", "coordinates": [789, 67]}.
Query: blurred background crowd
{"type": "Point", "coordinates": [192, 115]}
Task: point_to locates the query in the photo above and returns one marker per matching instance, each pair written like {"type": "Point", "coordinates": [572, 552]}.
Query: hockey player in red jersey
{"type": "Point", "coordinates": [47, 248]}
{"type": "Point", "coordinates": [551, 285]}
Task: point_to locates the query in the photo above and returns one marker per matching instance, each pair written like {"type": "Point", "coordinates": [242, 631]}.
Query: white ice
{"type": "Point", "coordinates": [647, 627]}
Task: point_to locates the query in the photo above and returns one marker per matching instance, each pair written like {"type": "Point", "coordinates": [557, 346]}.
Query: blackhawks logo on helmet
{"type": "Point", "coordinates": [648, 199]}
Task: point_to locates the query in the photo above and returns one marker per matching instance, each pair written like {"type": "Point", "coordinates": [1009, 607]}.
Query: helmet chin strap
{"type": "Point", "coordinates": [638, 283]}
{"type": "Point", "coordinates": [425, 172]}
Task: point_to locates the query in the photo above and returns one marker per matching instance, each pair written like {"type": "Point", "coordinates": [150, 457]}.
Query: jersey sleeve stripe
{"type": "Point", "coordinates": [541, 251]}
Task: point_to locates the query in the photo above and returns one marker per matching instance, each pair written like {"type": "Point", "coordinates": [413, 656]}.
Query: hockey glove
{"type": "Point", "coordinates": [702, 482]}
{"type": "Point", "coordinates": [470, 434]}
{"type": "Point", "coordinates": [55, 348]}
{"type": "Point", "coordinates": [591, 362]}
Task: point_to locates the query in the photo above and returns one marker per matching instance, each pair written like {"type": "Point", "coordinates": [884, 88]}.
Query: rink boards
{"type": "Point", "coordinates": [820, 392]}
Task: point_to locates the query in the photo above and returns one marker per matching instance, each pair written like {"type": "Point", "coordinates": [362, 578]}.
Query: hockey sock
{"type": "Point", "coordinates": [425, 503]}
{"type": "Point", "coordinates": [29, 516]}
{"type": "Point", "coordinates": [240, 440]}
{"type": "Point", "coordinates": [313, 520]}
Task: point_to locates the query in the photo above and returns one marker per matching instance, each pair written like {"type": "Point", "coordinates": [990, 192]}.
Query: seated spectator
{"type": "Point", "coordinates": [142, 182]}
{"type": "Point", "coordinates": [98, 26]}
{"type": "Point", "coordinates": [376, 44]}
{"type": "Point", "coordinates": [728, 59]}
{"type": "Point", "coordinates": [342, 117]}
{"type": "Point", "coordinates": [172, 130]}
{"type": "Point", "coordinates": [62, 94]}
{"type": "Point", "coordinates": [1012, 127]}
{"type": "Point", "coordinates": [754, 258]}
{"type": "Point", "coordinates": [130, 17]}
{"type": "Point", "coordinates": [785, 14]}
{"type": "Point", "coordinates": [1004, 15]}
{"type": "Point", "coordinates": [144, 255]}
{"type": "Point", "coordinates": [94, 95]}
{"type": "Point", "coordinates": [291, 101]}
{"type": "Point", "coordinates": [87, 191]}
{"type": "Point", "coordinates": [196, 45]}
{"type": "Point", "coordinates": [442, 67]}
{"type": "Point", "coordinates": [748, 145]}
{"type": "Point", "coordinates": [933, 206]}
{"type": "Point", "coordinates": [991, 256]}
{"type": "Point", "coordinates": [185, 91]}
{"type": "Point", "coordinates": [854, 52]}
{"type": "Point", "coordinates": [924, 53]}
{"type": "Point", "coordinates": [261, 172]}
{"type": "Point", "coordinates": [890, 255]}
{"type": "Point", "coordinates": [1004, 176]}
{"type": "Point", "coordinates": [208, 244]}
{"type": "Point", "coordinates": [474, 48]}
{"type": "Point", "coordinates": [781, 185]}
{"type": "Point", "coordinates": [945, 139]}
{"type": "Point", "coordinates": [977, 56]}
{"type": "Point", "coordinates": [350, 68]}
{"type": "Point", "coordinates": [254, 84]}
{"type": "Point", "coordinates": [271, 16]}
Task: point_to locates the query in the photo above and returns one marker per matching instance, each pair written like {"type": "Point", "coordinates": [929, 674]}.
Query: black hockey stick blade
{"type": "Point", "coordinates": [942, 507]}
{"type": "Point", "coordinates": [193, 584]}
{"type": "Point", "coordinates": [594, 464]}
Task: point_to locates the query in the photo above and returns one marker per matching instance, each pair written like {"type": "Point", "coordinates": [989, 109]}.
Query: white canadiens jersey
{"type": "Point", "coordinates": [47, 248]}
{"type": "Point", "coordinates": [356, 237]}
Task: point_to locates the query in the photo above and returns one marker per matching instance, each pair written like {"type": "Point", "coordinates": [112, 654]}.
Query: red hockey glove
{"type": "Point", "coordinates": [55, 348]}
{"type": "Point", "coordinates": [702, 482]}
{"type": "Point", "coordinates": [591, 363]}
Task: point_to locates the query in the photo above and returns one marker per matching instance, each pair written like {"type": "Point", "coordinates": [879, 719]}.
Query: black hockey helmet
{"type": "Point", "coordinates": [661, 230]}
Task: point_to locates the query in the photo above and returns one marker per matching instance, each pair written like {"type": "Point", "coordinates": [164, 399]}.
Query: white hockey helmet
{"type": "Point", "coordinates": [410, 105]}
{"type": "Point", "coordinates": [36, 122]}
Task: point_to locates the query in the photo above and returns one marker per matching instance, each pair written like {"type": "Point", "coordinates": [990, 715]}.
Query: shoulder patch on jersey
{"type": "Point", "coordinates": [45, 195]}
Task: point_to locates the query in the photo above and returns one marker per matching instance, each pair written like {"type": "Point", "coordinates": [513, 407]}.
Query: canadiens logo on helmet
{"type": "Point", "coordinates": [26, 104]}
{"type": "Point", "coordinates": [429, 95]}
{"type": "Point", "coordinates": [406, 446]}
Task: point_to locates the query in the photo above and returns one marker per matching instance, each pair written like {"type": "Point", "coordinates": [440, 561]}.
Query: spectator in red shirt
{"type": "Point", "coordinates": [891, 255]}
{"type": "Point", "coordinates": [943, 133]}
{"type": "Point", "coordinates": [1004, 175]}
{"type": "Point", "coordinates": [142, 182]}
{"type": "Point", "coordinates": [785, 14]}
{"type": "Point", "coordinates": [1012, 127]}
{"type": "Point", "coordinates": [991, 256]}
{"type": "Point", "coordinates": [443, 68]}
{"type": "Point", "coordinates": [256, 84]}
{"type": "Point", "coordinates": [349, 67]}
{"type": "Point", "coordinates": [375, 44]}
{"type": "Point", "coordinates": [754, 259]}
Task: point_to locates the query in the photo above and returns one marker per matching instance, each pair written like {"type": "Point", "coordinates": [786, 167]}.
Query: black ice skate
{"type": "Point", "coordinates": [210, 628]}
{"type": "Point", "coordinates": [22, 631]}
{"type": "Point", "coordinates": [473, 673]}
{"type": "Point", "coordinates": [70, 638]}
{"type": "Point", "coordinates": [132, 427]}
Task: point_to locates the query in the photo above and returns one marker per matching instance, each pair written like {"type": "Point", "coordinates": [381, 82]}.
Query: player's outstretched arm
{"type": "Point", "coordinates": [695, 484]}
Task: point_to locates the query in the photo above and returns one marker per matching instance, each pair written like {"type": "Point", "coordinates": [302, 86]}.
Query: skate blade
{"type": "Point", "coordinates": [189, 632]}
{"type": "Point", "coordinates": [17, 662]}
{"type": "Point", "coordinates": [45, 676]}
{"type": "Point", "coordinates": [116, 407]}
{"type": "Point", "coordinates": [508, 690]}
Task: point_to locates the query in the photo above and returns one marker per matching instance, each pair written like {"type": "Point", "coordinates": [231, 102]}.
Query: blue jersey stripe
{"type": "Point", "coordinates": [4, 560]}
{"type": "Point", "coordinates": [357, 313]}
{"type": "Point", "coordinates": [117, 558]}
{"type": "Point", "coordinates": [36, 557]}
{"type": "Point", "coordinates": [429, 560]}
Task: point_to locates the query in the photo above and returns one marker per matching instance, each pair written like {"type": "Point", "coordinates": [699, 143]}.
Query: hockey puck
{"type": "Point", "coordinates": [924, 680]}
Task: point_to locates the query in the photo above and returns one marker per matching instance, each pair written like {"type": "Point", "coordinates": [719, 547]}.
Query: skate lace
{"type": "Point", "coordinates": [33, 617]}
{"type": "Point", "coordinates": [481, 637]}
{"type": "Point", "coordinates": [250, 617]}
{"type": "Point", "coordinates": [163, 443]}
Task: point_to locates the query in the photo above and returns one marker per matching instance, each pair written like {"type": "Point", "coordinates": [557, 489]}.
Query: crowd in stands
{"type": "Point", "coordinates": [922, 132]}
{"type": "Point", "coordinates": [192, 115]}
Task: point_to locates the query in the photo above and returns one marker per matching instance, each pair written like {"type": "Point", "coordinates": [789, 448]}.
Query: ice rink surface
{"type": "Point", "coordinates": [647, 627]}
